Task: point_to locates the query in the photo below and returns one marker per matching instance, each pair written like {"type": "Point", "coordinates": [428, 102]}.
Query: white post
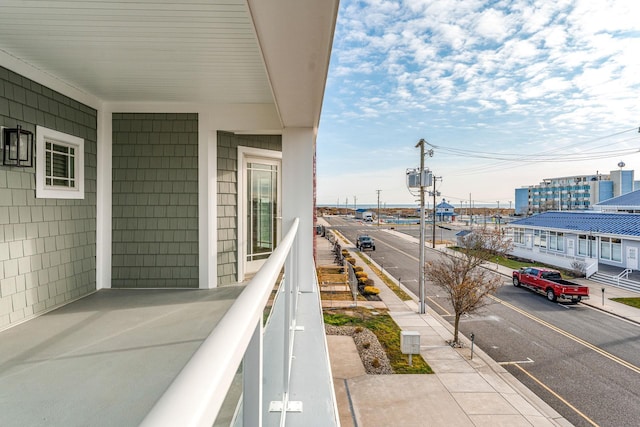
{"type": "Point", "coordinates": [298, 151]}
{"type": "Point", "coordinates": [104, 199]}
{"type": "Point", "coordinates": [207, 203]}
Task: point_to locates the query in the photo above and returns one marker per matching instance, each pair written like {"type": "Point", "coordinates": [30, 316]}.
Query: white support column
{"type": "Point", "coordinates": [104, 199]}
{"type": "Point", "coordinates": [298, 149]}
{"type": "Point", "coordinates": [207, 203]}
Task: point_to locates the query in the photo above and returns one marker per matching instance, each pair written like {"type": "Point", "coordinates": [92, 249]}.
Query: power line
{"type": "Point", "coordinates": [509, 161]}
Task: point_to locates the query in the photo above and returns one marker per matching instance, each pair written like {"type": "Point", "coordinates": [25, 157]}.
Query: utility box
{"type": "Point", "coordinates": [415, 179]}
{"type": "Point", "coordinates": [410, 342]}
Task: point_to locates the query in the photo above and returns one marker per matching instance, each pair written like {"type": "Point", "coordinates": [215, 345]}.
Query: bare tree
{"type": "Point", "coordinates": [462, 276]}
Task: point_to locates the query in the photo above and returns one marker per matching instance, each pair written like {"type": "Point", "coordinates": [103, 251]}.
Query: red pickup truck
{"type": "Point", "coordinates": [550, 283]}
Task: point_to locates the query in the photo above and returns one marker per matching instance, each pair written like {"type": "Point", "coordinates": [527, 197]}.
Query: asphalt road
{"type": "Point", "coordinates": [583, 362]}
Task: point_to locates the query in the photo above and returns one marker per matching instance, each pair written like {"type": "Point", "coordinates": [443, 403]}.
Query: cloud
{"type": "Point", "coordinates": [511, 74]}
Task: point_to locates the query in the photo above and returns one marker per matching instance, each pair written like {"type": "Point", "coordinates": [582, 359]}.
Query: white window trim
{"type": "Point", "coordinates": [48, 192]}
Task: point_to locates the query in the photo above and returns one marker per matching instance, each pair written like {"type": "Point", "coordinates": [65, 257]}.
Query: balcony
{"type": "Point", "coordinates": [175, 357]}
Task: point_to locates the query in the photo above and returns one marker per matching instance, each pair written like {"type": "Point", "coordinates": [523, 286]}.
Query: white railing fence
{"type": "Point", "coordinates": [196, 395]}
{"type": "Point", "coordinates": [623, 275]}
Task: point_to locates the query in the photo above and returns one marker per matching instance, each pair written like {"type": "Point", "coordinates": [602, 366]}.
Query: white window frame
{"type": "Point", "coordinates": [43, 191]}
{"type": "Point", "coordinates": [518, 236]}
{"type": "Point", "coordinates": [246, 154]}
{"type": "Point", "coordinates": [556, 241]}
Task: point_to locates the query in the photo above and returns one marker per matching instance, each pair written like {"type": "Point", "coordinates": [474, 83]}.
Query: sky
{"type": "Point", "coordinates": [505, 93]}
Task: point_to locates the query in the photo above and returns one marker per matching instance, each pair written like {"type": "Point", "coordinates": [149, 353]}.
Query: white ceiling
{"type": "Point", "coordinates": [192, 51]}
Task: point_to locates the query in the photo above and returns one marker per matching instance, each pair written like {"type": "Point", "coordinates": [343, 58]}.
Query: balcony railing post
{"type": "Point", "coordinates": [291, 288]}
{"type": "Point", "coordinates": [295, 253]}
{"type": "Point", "coordinates": [287, 329]}
{"type": "Point", "coordinates": [252, 379]}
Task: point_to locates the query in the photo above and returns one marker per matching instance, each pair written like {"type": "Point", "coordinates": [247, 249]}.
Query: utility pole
{"type": "Point", "coordinates": [421, 303]}
{"type": "Point", "coordinates": [378, 191]}
{"type": "Point", "coordinates": [355, 205]}
{"type": "Point", "coordinates": [422, 307]}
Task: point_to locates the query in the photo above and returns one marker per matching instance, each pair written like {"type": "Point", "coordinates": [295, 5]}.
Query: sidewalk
{"type": "Point", "coordinates": [462, 392]}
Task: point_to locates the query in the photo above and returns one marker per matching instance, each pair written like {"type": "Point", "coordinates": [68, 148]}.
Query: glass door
{"type": "Point", "coordinates": [262, 211]}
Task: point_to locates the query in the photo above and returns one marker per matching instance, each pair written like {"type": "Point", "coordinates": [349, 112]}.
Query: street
{"type": "Point", "coordinates": [583, 362]}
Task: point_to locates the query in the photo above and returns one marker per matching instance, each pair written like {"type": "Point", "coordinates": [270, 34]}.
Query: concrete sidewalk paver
{"type": "Point", "coordinates": [405, 400]}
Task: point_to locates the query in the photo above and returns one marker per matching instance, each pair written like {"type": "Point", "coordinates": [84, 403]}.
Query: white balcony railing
{"type": "Point", "coordinates": [197, 394]}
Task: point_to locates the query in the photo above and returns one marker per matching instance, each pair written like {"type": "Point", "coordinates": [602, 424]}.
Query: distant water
{"type": "Point", "coordinates": [414, 206]}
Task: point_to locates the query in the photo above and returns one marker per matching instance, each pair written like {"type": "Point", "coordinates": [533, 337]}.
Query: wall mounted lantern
{"type": "Point", "coordinates": [17, 147]}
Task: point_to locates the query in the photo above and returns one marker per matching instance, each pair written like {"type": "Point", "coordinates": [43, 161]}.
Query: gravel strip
{"type": "Point", "coordinates": [368, 346]}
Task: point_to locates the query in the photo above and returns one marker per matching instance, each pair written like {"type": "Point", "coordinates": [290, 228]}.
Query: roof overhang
{"type": "Point", "coordinates": [220, 52]}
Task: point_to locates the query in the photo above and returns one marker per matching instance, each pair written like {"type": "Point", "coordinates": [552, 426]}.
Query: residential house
{"type": "Point", "coordinates": [593, 241]}
{"type": "Point", "coordinates": [173, 148]}
{"type": "Point", "coordinates": [445, 211]}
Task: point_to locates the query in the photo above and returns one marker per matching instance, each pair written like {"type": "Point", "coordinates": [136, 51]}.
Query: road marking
{"type": "Point", "coordinates": [398, 250]}
{"type": "Point", "coordinates": [544, 386]}
{"type": "Point", "coordinates": [572, 337]}
{"type": "Point", "coordinates": [441, 307]}
{"type": "Point", "coordinates": [516, 362]}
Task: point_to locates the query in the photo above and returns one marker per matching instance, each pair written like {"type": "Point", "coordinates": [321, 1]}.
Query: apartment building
{"type": "Point", "coordinates": [577, 192]}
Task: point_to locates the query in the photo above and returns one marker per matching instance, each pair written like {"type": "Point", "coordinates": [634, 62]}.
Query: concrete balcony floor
{"type": "Point", "coordinates": [105, 359]}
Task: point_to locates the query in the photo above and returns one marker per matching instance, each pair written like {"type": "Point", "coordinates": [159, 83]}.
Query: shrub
{"type": "Point", "coordinates": [345, 252]}
{"type": "Point", "coordinates": [366, 345]}
{"type": "Point", "coordinates": [375, 362]}
{"type": "Point", "coordinates": [351, 260]}
{"type": "Point", "coordinates": [579, 268]}
{"type": "Point", "coordinates": [371, 290]}
{"type": "Point", "coordinates": [362, 281]}
{"type": "Point", "coordinates": [361, 274]}
{"type": "Point", "coordinates": [369, 282]}
{"type": "Point", "coordinates": [358, 329]}
{"type": "Point", "coordinates": [358, 268]}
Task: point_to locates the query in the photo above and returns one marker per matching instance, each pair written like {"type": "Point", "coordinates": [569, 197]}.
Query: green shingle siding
{"type": "Point", "coordinates": [155, 200]}
{"type": "Point", "coordinates": [47, 246]}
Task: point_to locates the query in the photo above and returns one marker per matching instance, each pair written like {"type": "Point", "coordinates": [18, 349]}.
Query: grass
{"type": "Point", "coordinates": [633, 302]}
{"type": "Point", "coordinates": [515, 264]}
{"type": "Point", "coordinates": [387, 281]}
{"type": "Point", "coordinates": [388, 334]}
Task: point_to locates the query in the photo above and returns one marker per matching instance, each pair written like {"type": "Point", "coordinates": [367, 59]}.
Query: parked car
{"type": "Point", "coordinates": [365, 242]}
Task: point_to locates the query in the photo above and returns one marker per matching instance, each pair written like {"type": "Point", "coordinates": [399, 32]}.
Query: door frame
{"type": "Point", "coordinates": [244, 154]}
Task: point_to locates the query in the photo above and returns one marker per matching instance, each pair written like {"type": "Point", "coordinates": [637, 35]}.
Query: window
{"type": "Point", "coordinates": [586, 245]}
{"type": "Point", "coordinates": [518, 236]}
{"type": "Point", "coordinates": [540, 238]}
{"type": "Point", "coordinates": [556, 241]}
{"type": "Point", "coordinates": [611, 249]}
{"type": "Point", "coordinates": [59, 165]}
